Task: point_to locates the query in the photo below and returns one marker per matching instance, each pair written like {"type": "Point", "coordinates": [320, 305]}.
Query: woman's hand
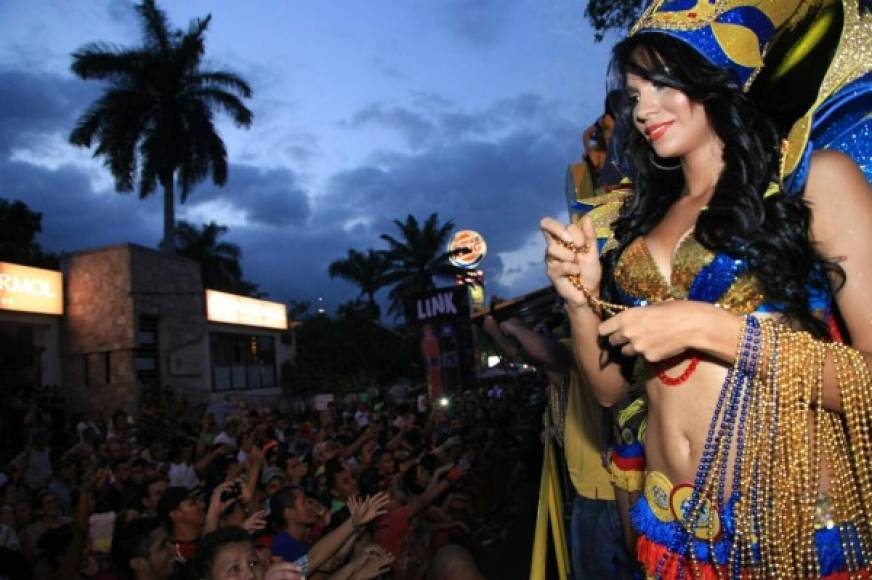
{"type": "Point", "coordinates": [661, 331]}
{"type": "Point", "coordinates": [562, 262]}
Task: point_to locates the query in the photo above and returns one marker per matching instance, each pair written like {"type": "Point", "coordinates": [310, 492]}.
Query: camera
{"type": "Point", "coordinates": [232, 493]}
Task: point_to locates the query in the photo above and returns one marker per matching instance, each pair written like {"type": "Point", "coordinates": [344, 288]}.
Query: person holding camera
{"type": "Point", "coordinates": [183, 512]}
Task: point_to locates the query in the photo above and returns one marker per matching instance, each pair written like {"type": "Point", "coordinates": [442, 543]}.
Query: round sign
{"type": "Point", "coordinates": [466, 249]}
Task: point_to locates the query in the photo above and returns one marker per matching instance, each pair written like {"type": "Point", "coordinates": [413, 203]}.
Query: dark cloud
{"type": "Point", "coordinates": [74, 216]}
{"type": "Point", "coordinates": [291, 263]}
{"type": "Point", "coordinates": [36, 109]}
{"type": "Point", "coordinates": [122, 12]}
{"type": "Point", "coordinates": [413, 126]}
{"type": "Point", "coordinates": [288, 261]}
{"type": "Point", "coordinates": [527, 107]}
{"type": "Point", "coordinates": [497, 170]}
{"type": "Point", "coordinates": [269, 197]}
{"type": "Point", "coordinates": [478, 22]}
{"type": "Point", "coordinates": [500, 188]}
{"type": "Point", "coordinates": [34, 104]}
{"type": "Point", "coordinates": [388, 69]}
{"type": "Point", "coordinates": [524, 110]}
{"type": "Point", "coordinates": [431, 120]}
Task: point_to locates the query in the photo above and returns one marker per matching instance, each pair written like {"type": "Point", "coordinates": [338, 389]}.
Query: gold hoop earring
{"type": "Point", "coordinates": [661, 167]}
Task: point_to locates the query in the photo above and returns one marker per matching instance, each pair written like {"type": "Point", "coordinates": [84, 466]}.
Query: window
{"type": "Point", "coordinates": [242, 361]}
{"type": "Point", "coordinates": [107, 367]}
{"type": "Point", "coordinates": [146, 359]}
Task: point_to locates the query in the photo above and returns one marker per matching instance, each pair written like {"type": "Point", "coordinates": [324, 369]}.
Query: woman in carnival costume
{"type": "Point", "coordinates": [748, 226]}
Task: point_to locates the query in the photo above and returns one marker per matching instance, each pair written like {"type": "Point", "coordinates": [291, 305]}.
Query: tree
{"type": "Point", "coordinates": [154, 122]}
{"type": "Point", "coordinates": [219, 261]}
{"type": "Point", "coordinates": [358, 309]}
{"type": "Point", "coordinates": [344, 354]}
{"type": "Point", "coordinates": [417, 258]}
{"type": "Point", "coordinates": [605, 15]}
{"type": "Point", "coordinates": [18, 228]}
{"type": "Point", "coordinates": [299, 310]}
{"type": "Point", "coordinates": [365, 270]}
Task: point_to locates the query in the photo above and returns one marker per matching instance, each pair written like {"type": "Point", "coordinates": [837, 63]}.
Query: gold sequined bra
{"type": "Point", "coordinates": [697, 274]}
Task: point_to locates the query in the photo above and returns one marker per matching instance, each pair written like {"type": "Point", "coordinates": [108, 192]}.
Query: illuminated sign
{"type": "Point", "coordinates": [467, 249]}
{"type": "Point", "coordinates": [28, 289]}
{"type": "Point", "coordinates": [438, 304]}
{"type": "Point", "coordinates": [235, 309]}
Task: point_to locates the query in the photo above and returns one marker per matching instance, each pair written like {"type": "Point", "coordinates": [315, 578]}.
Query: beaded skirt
{"type": "Point", "coordinates": [662, 545]}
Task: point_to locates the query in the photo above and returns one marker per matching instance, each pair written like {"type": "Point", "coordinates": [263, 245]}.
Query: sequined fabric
{"type": "Point", "coordinates": [697, 274]}
{"type": "Point", "coordinates": [732, 34]}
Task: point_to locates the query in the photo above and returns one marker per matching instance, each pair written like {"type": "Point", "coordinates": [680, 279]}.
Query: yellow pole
{"type": "Point", "coordinates": [540, 540]}
{"type": "Point", "coordinates": [556, 511]}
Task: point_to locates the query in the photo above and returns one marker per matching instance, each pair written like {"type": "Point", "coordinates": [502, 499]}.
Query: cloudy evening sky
{"type": "Point", "coordinates": [365, 111]}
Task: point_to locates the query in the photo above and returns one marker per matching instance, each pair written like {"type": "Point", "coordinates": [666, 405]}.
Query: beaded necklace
{"type": "Point", "coordinates": [716, 449]}
{"type": "Point", "coordinates": [778, 379]}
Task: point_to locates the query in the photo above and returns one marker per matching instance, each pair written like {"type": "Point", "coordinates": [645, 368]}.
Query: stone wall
{"type": "Point", "coordinates": [97, 308]}
{"type": "Point", "coordinates": [97, 325]}
{"type": "Point", "coordinates": [107, 290]}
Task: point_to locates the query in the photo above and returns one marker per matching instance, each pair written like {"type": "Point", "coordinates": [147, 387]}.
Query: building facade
{"type": "Point", "coordinates": [134, 319]}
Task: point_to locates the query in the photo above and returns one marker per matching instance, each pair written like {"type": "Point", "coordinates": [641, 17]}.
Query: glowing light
{"type": "Point", "coordinates": [474, 248]}
{"type": "Point", "coordinates": [27, 289]}
{"type": "Point", "coordinates": [493, 360]}
{"type": "Point", "coordinates": [444, 401]}
{"type": "Point", "coordinates": [235, 309]}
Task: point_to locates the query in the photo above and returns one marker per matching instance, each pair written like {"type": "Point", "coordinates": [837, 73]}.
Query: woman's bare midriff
{"type": "Point", "coordinates": [679, 418]}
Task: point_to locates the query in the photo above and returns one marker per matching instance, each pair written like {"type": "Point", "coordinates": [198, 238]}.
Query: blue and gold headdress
{"type": "Point", "coordinates": [737, 35]}
{"type": "Point", "coordinates": [731, 34]}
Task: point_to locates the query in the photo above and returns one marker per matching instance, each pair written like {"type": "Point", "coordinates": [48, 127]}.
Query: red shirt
{"type": "Point", "coordinates": [391, 530]}
{"type": "Point", "coordinates": [185, 550]}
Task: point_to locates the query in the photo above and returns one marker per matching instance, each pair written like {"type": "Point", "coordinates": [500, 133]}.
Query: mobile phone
{"type": "Point", "coordinates": [234, 492]}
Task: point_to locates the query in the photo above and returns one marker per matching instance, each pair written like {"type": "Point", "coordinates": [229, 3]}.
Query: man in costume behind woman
{"type": "Point", "coordinates": [716, 292]}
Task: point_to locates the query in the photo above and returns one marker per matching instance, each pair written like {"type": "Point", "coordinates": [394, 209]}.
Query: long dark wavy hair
{"type": "Point", "coordinates": [771, 234]}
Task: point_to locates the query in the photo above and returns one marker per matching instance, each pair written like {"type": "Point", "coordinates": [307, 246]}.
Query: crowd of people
{"type": "Point", "coordinates": [364, 486]}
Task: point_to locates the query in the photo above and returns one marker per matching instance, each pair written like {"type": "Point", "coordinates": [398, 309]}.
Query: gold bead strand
{"type": "Point", "coordinates": [598, 305]}
{"type": "Point", "coordinates": [766, 448]}
{"type": "Point", "coordinates": [815, 442]}
{"type": "Point", "coordinates": [842, 484]}
{"type": "Point", "coordinates": [856, 400]}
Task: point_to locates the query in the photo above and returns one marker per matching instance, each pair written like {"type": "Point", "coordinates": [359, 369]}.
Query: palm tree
{"type": "Point", "coordinates": [155, 118]}
{"type": "Point", "coordinates": [364, 270]}
{"type": "Point", "coordinates": [219, 261]}
{"type": "Point", "coordinates": [417, 258]}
